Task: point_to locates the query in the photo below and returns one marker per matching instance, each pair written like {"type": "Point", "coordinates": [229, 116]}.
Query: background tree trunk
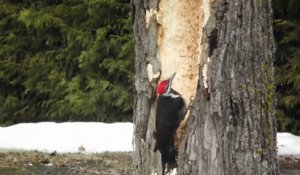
{"type": "Point", "coordinates": [230, 127]}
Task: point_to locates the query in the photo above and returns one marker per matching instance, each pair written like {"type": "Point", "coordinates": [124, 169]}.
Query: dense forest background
{"type": "Point", "coordinates": [71, 60]}
{"type": "Point", "coordinates": [65, 60]}
{"type": "Point", "coordinates": [287, 64]}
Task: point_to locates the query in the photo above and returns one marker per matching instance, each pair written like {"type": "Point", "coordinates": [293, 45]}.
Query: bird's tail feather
{"type": "Point", "coordinates": [168, 157]}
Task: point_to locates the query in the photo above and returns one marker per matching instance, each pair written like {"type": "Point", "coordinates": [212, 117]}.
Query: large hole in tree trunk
{"type": "Point", "coordinates": [179, 44]}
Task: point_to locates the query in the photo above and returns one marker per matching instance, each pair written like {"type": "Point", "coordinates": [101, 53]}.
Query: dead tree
{"type": "Point", "coordinates": [222, 52]}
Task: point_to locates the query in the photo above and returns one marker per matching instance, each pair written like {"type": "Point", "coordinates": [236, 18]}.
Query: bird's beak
{"type": "Point", "coordinates": [172, 77]}
{"type": "Point", "coordinates": [170, 83]}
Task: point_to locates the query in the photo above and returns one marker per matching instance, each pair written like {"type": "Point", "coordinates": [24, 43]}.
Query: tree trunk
{"type": "Point", "coordinates": [222, 52]}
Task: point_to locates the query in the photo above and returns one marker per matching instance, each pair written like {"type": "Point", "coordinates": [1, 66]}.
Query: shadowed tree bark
{"type": "Point", "coordinates": [222, 52]}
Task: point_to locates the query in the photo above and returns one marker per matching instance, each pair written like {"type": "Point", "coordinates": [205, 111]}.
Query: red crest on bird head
{"type": "Point", "coordinates": [164, 86]}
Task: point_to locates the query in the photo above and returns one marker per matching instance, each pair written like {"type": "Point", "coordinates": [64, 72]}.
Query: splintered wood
{"type": "Point", "coordinates": [179, 44]}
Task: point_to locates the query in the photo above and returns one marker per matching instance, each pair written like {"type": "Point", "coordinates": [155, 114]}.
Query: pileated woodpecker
{"type": "Point", "coordinates": [170, 111]}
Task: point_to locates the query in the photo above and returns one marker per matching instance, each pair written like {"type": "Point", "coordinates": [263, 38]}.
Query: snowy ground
{"type": "Point", "coordinates": [88, 137]}
{"type": "Point", "coordinates": [288, 144]}
{"type": "Point", "coordinates": [92, 137]}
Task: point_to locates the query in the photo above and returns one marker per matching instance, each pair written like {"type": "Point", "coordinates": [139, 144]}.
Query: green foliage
{"type": "Point", "coordinates": [65, 60]}
{"type": "Point", "coordinates": [287, 64]}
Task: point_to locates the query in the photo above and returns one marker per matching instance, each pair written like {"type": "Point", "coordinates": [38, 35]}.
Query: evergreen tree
{"type": "Point", "coordinates": [287, 63]}
{"type": "Point", "coordinates": [65, 60]}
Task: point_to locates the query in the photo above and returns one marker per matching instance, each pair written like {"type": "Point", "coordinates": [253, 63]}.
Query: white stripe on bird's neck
{"type": "Point", "coordinates": [171, 95]}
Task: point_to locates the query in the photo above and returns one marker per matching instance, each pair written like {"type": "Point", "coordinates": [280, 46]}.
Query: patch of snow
{"type": "Point", "coordinates": [93, 137]}
{"type": "Point", "coordinates": [288, 144]}
{"type": "Point", "coordinates": [87, 137]}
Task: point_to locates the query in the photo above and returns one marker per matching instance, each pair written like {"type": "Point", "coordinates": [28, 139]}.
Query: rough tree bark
{"type": "Point", "coordinates": [222, 52]}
